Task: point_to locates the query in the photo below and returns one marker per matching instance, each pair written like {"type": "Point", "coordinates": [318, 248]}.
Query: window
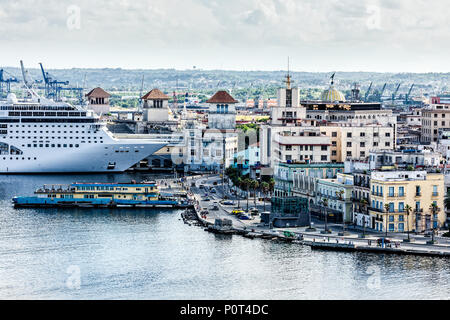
{"type": "Point", "coordinates": [391, 207]}
{"type": "Point", "coordinates": [391, 227]}
{"type": "Point", "coordinates": [391, 191]}
{"type": "Point", "coordinates": [349, 134]}
{"type": "Point", "coordinates": [334, 134]}
{"type": "Point", "coordinates": [323, 158]}
{"type": "Point", "coordinates": [349, 144]}
{"type": "Point", "coordinates": [362, 144]}
{"type": "Point", "coordinates": [324, 148]}
{"type": "Point", "coordinates": [401, 206]}
{"type": "Point", "coordinates": [401, 227]}
{"type": "Point", "coordinates": [401, 191]}
{"type": "Point", "coordinates": [362, 134]}
{"type": "Point", "coordinates": [387, 144]}
{"type": "Point", "coordinates": [388, 134]}
{"type": "Point", "coordinates": [391, 218]}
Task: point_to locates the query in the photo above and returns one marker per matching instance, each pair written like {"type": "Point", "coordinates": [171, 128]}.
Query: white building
{"type": "Point", "coordinates": [156, 106]}
{"type": "Point", "coordinates": [222, 111]}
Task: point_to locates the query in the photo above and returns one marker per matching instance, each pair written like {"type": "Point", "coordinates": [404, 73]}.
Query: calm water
{"type": "Point", "coordinates": [124, 254]}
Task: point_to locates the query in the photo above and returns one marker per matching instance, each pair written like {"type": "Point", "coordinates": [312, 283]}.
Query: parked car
{"type": "Point", "coordinates": [228, 203]}
{"type": "Point", "coordinates": [244, 217]}
{"type": "Point", "coordinates": [213, 190]}
{"type": "Point", "coordinates": [254, 211]}
{"type": "Point", "coordinates": [237, 211]}
{"type": "Point", "coordinates": [214, 207]}
{"type": "Point", "coordinates": [201, 187]}
{"type": "Point", "coordinates": [206, 199]}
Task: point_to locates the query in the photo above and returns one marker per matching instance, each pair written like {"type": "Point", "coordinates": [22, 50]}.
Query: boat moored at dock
{"type": "Point", "coordinates": [87, 195]}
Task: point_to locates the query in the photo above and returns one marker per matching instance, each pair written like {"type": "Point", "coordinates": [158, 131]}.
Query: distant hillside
{"type": "Point", "coordinates": [209, 80]}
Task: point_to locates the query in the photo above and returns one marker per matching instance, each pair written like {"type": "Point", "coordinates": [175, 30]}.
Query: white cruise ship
{"type": "Point", "coordinates": [38, 135]}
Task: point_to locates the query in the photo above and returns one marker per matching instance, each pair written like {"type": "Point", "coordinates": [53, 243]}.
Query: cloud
{"type": "Point", "coordinates": [206, 28]}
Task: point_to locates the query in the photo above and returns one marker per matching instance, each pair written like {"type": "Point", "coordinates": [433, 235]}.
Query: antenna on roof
{"type": "Point", "coordinates": [332, 78]}
{"type": "Point", "coordinates": [288, 77]}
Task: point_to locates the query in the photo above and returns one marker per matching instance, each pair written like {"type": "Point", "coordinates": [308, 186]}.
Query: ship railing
{"type": "Point", "coordinates": [55, 189]}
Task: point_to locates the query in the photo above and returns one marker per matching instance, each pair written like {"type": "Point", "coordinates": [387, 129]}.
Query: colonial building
{"type": "Point", "coordinates": [222, 111]}
{"type": "Point", "coordinates": [155, 106]}
{"type": "Point", "coordinates": [98, 101]}
{"type": "Point", "coordinates": [397, 189]}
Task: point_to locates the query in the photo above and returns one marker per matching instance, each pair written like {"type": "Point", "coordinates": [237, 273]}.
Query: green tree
{"type": "Point", "coordinates": [408, 210]}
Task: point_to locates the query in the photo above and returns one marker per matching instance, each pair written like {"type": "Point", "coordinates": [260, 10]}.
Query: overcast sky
{"type": "Point", "coordinates": [318, 35]}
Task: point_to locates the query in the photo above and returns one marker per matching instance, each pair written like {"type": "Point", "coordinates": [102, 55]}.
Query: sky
{"type": "Point", "coordinates": [244, 35]}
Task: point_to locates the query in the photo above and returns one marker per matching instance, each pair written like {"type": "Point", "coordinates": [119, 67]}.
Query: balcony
{"type": "Point", "coordinates": [377, 194]}
{"type": "Point", "coordinates": [418, 194]}
{"type": "Point", "coordinates": [435, 194]}
{"type": "Point", "coordinates": [395, 195]}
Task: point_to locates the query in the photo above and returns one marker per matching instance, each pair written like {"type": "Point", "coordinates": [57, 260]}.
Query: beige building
{"type": "Point", "coordinates": [355, 142]}
{"type": "Point", "coordinates": [434, 120]}
{"type": "Point", "coordinates": [397, 189]}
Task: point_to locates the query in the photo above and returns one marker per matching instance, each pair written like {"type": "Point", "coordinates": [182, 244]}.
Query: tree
{"type": "Point", "coordinates": [255, 186]}
{"type": "Point", "coordinates": [324, 203]}
{"type": "Point", "coordinates": [239, 185]}
{"type": "Point", "coordinates": [264, 188]}
{"type": "Point", "coordinates": [247, 184]}
{"type": "Point", "coordinates": [387, 209]}
{"type": "Point", "coordinates": [408, 210]}
{"type": "Point", "coordinates": [271, 185]}
{"type": "Point", "coordinates": [447, 201]}
{"type": "Point", "coordinates": [434, 210]}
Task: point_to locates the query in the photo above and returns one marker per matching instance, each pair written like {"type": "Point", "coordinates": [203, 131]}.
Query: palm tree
{"type": "Point", "coordinates": [408, 210]}
{"type": "Point", "coordinates": [364, 203]}
{"type": "Point", "coordinates": [240, 185]}
{"type": "Point", "coordinates": [434, 209]}
{"type": "Point", "coordinates": [339, 194]}
{"type": "Point", "coordinates": [447, 200]}
{"type": "Point", "coordinates": [264, 187]}
{"type": "Point", "coordinates": [271, 185]}
{"type": "Point", "coordinates": [247, 183]}
{"type": "Point", "coordinates": [324, 203]}
{"type": "Point", "coordinates": [387, 209]}
{"type": "Point", "coordinates": [255, 186]}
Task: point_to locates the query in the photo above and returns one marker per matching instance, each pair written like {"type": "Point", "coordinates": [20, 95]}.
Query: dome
{"type": "Point", "coordinates": [332, 95]}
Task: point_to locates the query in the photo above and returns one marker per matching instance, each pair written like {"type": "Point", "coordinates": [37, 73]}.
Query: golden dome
{"type": "Point", "coordinates": [332, 95]}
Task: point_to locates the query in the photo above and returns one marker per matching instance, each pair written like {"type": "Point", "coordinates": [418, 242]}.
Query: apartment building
{"type": "Point", "coordinates": [397, 189]}
{"type": "Point", "coordinates": [355, 142]}
{"type": "Point", "coordinates": [434, 120]}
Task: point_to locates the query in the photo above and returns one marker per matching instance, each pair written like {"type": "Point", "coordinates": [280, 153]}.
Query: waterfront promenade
{"type": "Point", "coordinates": [352, 241]}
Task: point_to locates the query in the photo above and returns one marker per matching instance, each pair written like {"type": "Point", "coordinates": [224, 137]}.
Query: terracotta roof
{"type": "Point", "coordinates": [155, 94]}
{"type": "Point", "coordinates": [98, 93]}
{"type": "Point", "coordinates": [222, 97]}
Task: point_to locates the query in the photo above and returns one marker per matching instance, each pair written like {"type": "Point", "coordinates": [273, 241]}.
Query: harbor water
{"type": "Point", "coordinates": [151, 254]}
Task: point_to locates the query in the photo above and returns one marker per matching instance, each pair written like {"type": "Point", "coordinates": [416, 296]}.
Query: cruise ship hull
{"type": "Point", "coordinates": [88, 158]}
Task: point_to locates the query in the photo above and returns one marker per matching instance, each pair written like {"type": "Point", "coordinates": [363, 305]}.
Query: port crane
{"type": "Point", "coordinates": [408, 95]}
{"type": "Point", "coordinates": [5, 81]}
{"type": "Point", "coordinates": [395, 93]}
{"type": "Point", "coordinates": [54, 87]}
{"type": "Point", "coordinates": [368, 92]}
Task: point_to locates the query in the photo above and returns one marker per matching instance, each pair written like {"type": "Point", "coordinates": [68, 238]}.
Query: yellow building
{"type": "Point", "coordinates": [397, 189]}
